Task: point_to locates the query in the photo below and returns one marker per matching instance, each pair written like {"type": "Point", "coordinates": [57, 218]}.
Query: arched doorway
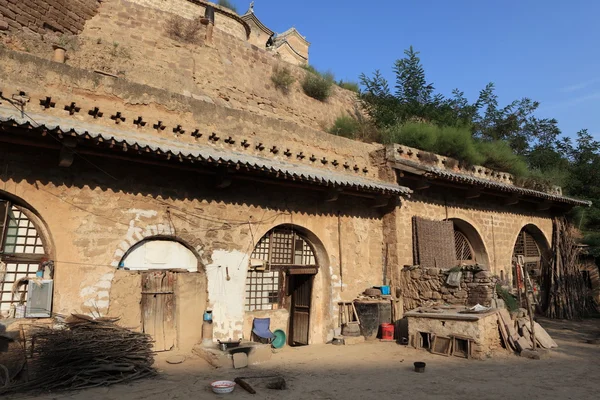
{"type": "Point", "coordinates": [532, 245]}
{"type": "Point", "coordinates": [173, 290]}
{"type": "Point", "coordinates": [24, 256]}
{"type": "Point", "coordinates": [281, 274]}
{"type": "Point", "coordinates": [470, 249]}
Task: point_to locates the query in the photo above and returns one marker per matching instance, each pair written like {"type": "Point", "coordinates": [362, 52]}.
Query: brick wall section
{"type": "Point", "coordinates": [232, 72]}
{"type": "Point", "coordinates": [225, 20]}
{"type": "Point", "coordinates": [66, 16]}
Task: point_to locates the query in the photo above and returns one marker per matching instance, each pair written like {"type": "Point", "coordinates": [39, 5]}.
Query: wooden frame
{"type": "Point", "coordinates": [441, 345]}
{"type": "Point", "coordinates": [455, 348]}
{"type": "Point", "coordinates": [419, 342]}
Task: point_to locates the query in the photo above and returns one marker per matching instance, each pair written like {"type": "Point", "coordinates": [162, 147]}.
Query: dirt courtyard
{"type": "Point", "coordinates": [375, 370]}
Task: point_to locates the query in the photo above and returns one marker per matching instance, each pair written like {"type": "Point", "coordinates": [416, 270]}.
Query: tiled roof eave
{"type": "Point", "coordinates": [201, 153]}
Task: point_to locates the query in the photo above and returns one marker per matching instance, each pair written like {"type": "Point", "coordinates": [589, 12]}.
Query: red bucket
{"type": "Point", "coordinates": [387, 331]}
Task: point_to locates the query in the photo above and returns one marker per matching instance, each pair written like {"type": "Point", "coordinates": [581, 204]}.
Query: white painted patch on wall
{"type": "Point", "coordinates": [226, 297]}
{"type": "Point", "coordinates": [96, 297]}
{"type": "Point", "coordinates": [161, 254]}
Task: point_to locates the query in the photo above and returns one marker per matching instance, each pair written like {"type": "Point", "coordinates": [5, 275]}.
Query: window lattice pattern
{"type": "Point", "coordinates": [21, 236]}
{"type": "Point", "coordinates": [262, 290]}
{"type": "Point", "coordinates": [281, 248]}
{"type": "Point", "coordinates": [14, 272]}
{"type": "Point", "coordinates": [22, 247]}
{"type": "Point", "coordinates": [526, 245]}
{"type": "Point", "coordinates": [464, 251]}
{"type": "Point", "coordinates": [284, 248]}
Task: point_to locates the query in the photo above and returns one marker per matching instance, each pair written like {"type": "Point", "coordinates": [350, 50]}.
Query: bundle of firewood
{"type": "Point", "coordinates": [86, 353]}
{"type": "Point", "coordinates": [568, 294]}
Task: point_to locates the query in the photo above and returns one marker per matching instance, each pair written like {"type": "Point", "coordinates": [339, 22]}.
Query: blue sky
{"type": "Point", "coordinates": [546, 50]}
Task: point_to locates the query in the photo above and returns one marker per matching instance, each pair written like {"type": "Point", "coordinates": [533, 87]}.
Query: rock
{"type": "Point", "coordinates": [483, 275]}
{"type": "Point", "coordinates": [3, 25]}
{"type": "Point", "coordinates": [433, 271]}
{"type": "Point", "coordinates": [426, 295]}
{"type": "Point", "coordinates": [175, 359]}
{"type": "Point", "coordinates": [436, 296]}
{"type": "Point", "coordinates": [538, 354]}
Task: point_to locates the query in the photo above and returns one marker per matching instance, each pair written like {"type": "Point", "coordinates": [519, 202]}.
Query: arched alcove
{"type": "Point", "coordinates": [470, 248]}
{"type": "Point", "coordinates": [26, 252]}
{"type": "Point", "coordinates": [287, 271]}
{"type": "Point", "coordinates": [160, 253]}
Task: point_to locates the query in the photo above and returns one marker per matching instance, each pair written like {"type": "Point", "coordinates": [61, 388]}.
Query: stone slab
{"type": "Point", "coordinates": [349, 340]}
{"type": "Point", "coordinates": [240, 360]}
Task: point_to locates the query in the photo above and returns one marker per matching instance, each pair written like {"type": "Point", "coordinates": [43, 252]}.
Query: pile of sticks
{"type": "Point", "coordinates": [86, 353]}
{"type": "Point", "coordinates": [569, 296]}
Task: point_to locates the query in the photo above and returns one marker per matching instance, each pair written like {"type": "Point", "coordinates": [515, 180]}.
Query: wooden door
{"type": "Point", "coordinates": [158, 308]}
{"type": "Point", "coordinates": [300, 311]}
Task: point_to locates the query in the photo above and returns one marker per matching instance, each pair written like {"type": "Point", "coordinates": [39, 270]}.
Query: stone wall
{"type": "Point", "coordinates": [130, 41]}
{"type": "Point", "coordinates": [226, 20]}
{"type": "Point", "coordinates": [426, 286]}
{"type": "Point", "coordinates": [66, 16]}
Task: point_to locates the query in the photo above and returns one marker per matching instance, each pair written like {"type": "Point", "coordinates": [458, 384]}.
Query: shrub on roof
{"type": "Point", "coordinates": [182, 29]}
{"type": "Point", "coordinates": [282, 78]}
{"type": "Point", "coordinates": [352, 86]}
{"type": "Point", "coordinates": [318, 86]}
{"type": "Point", "coordinates": [345, 126]}
{"type": "Point", "coordinates": [498, 155]}
{"type": "Point", "coordinates": [228, 4]}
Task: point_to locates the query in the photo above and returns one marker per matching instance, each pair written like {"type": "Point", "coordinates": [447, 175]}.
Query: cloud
{"type": "Point", "coordinates": [579, 86]}
{"type": "Point", "coordinates": [571, 102]}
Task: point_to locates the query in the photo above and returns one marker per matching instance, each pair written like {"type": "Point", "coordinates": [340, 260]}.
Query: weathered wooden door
{"type": "Point", "coordinates": [300, 319]}
{"type": "Point", "coordinates": [158, 308]}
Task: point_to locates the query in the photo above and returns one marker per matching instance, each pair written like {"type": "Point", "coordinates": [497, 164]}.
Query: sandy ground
{"type": "Point", "coordinates": [377, 370]}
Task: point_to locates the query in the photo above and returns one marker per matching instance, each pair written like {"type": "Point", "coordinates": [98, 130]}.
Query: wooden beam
{"type": "Point", "coordinates": [67, 152]}
{"type": "Point", "coordinates": [473, 193]}
{"type": "Point", "coordinates": [545, 205]}
{"type": "Point", "coordinates": [422, 184]}
{"type": "Point", "coordinates": [512, 200]}
{"type": "Point", "coordinates": [223, 181]}
{"type": "Point", "coordinates": [332, 194]}
{"type": "Point", "coordinates": [381, 201]}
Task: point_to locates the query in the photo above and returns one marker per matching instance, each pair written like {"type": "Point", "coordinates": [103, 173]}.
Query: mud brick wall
{"type": "Point", "coordinates": [66, 16]}
{"type": "Point", "coordinates": [421, 286]}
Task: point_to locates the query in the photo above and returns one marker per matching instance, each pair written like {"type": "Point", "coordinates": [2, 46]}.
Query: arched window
{"type": "Point", "coordinates": [464, 250]}
{"type": "Point", "coordinates": [527, 246]}
{"type": "Point", "coordinates": [281, 251]}
{"type": "Point", "coordinates": [22, 254]}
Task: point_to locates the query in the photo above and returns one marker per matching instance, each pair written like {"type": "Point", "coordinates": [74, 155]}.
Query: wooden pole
{"type": "Point", "coordinates": [529, 310]}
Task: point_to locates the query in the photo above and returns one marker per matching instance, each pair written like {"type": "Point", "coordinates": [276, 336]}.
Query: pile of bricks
{"type": "Point", "coordinates": [41, 16]}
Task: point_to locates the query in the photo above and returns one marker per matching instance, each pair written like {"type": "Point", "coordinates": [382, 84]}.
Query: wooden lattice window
{"type": "Point", "coordinates": [21, 252]}
{"type": "Point", "coordinates": [282, 249]}
{"type": "Point", "coordinates": [527, 246]}
{"type": "Point", "coordinates": [464, 250]}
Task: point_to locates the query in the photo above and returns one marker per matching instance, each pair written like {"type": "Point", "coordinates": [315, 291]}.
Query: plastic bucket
{"type": "Point", "coordinates": [387, 331]}
{"type": "Point", "coordinates": [385, 290]}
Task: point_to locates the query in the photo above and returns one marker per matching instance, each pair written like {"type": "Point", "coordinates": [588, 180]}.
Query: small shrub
{"type": "Point", "coordinates": [509, 300]}
{"type": "Point", "coordinates": [310, 68]}
{"type": "Point", "coordinates": [318, 86]}
{"type": "Point", "coordinates": [352, 86]}
{"type": "Point", "coordinates": [413, 134]}
{"type": "Point", "coordinates": [183, 30]}
{"type": "Point", "coordinates": [228, 4]}
{"type": "Point", "coordinates": [345, 126]}
{"type": "Point", "coordinates": [542, 180]}
{"type": "Point", "coordinates": [457, 142]}
{"type": "Point", "coordinates": [499, 156]}
{"type": "Point", "coordinates": [282, 78]}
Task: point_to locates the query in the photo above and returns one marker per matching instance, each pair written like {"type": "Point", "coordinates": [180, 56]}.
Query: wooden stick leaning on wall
{"type": "Point", "coordinates": [530, 311]}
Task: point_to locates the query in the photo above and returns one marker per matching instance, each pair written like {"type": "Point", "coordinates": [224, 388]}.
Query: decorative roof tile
{"type": "Point", "coordinates": [205, 154]}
